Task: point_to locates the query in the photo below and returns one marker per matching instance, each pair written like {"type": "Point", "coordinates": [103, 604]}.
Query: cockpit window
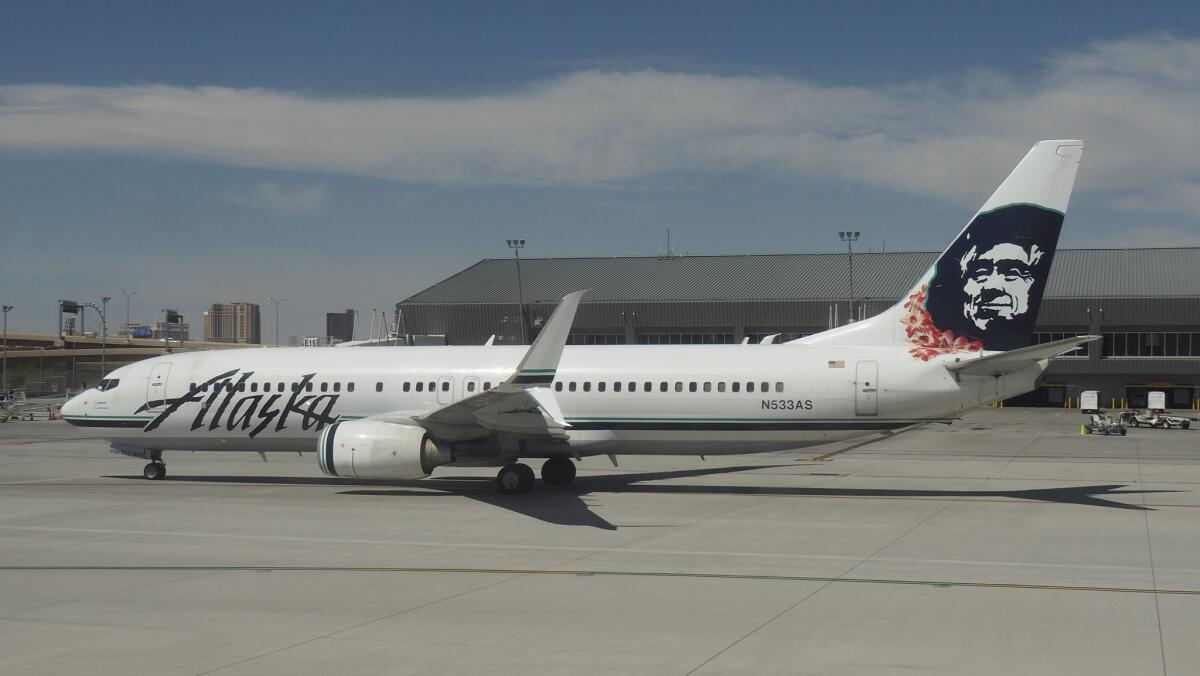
{"type": "Point", "coordinates": [108, 384]}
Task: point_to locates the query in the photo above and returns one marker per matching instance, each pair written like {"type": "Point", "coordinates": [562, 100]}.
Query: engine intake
{"type": "Point", "coordinates": [373, 449]}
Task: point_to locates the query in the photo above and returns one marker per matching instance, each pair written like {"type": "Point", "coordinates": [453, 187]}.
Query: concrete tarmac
{"type": "Point", "coordinates": [1003, 544]}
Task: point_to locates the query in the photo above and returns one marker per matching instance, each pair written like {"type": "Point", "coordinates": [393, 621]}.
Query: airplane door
{"type": "Point", "coordinates": [470, 387]}
{"type": "Point", "coordinates": [156, 386]}
{"type": "Point", "coordinates": [445, 393]}
{"type": "Point", "coordinates": [866, 388]}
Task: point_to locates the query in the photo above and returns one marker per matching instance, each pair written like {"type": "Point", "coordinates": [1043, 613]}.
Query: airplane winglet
{"type": "Point", "coordinates": [540, 363]}
{"type": "Point", "coordinates": [1001, 363]}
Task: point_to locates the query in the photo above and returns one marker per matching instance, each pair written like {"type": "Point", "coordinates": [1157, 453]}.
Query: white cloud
{"type": "Point", "coordinates": [1181, 197]}
{"type": "Point", "coordinates": [280, 199]}
{"type": "Point", "coordinates": [1135, 101]}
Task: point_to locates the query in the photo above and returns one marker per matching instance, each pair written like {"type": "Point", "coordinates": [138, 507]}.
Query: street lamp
{"type": "Point", "coordinates": [7, 308]}
{"type": "Point", "coordinates": [103, 332]}
{"type": "Point", "coordinates": [277, 301]}
{"type": "Point", "coordinates": [128, 295]}
{"type": "Point", "coordinates": [850, 237]}
{"type": "Point", "coordinates": [170, 316]}
{"type": "Point", "coordinates": [516, 245]}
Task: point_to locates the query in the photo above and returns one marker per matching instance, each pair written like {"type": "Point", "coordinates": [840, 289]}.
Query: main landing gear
{"type": "Point", "coordinates": [514, 478]}
{"type": "Point", "coordinates": [558, 471]}
{"type": "Point", "coordinates": [517, 477]}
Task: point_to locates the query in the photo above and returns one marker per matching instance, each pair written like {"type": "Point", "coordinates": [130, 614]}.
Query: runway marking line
{"type": "Point", "coordinates": [613, 573]}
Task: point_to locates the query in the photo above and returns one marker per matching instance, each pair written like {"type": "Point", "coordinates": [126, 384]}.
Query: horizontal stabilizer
{"type": "Point", "coordinates": [1001, 363]}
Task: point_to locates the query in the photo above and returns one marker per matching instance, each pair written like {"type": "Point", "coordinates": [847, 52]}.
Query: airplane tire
{"type": "Point", "coordinates": [514, 479]}
{"type": "Point", "coordinates": [154, 471]}
{"type": "Point", "coordinates": [1122, 431]}
{"type": "Point", "coordinates": [558, 471]}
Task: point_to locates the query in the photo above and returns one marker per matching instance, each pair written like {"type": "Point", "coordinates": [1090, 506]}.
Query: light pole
{"type": "Point", "coordinates": [103, 331]}
{"type": "Point", "coordinates": [128, 295]}
{"type": "Point", "coordinates": [7, 308]}
{"type": "Point", "coordinates": [277, 301]}
{"type": "Point", "coordinates": [850, 237]}
{"type": "Point", "coordinates": [516, 245]}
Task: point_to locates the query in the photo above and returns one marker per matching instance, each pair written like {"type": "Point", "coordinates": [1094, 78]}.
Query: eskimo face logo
{"type": "Point", "coordinates": [986, 289]}
{"type": "Point", "coordinates": [997, 282]}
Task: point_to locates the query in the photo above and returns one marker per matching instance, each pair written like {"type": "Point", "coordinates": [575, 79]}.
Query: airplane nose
{"type": "Point", "coordinates": [73, 407]}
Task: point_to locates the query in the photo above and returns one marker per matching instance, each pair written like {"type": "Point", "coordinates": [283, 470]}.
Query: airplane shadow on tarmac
{"type": "Point", "coordinates": [569, 505]}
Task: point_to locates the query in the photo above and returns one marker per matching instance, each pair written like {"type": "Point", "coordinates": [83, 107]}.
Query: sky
{"type": "Point", "coordinates": [350, 154]}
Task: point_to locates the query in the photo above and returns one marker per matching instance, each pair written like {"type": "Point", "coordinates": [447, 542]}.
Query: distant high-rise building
{"type": "Point", "coordinates": [339, 326]}
{"type": "Point", "coordinates": [233, 323]}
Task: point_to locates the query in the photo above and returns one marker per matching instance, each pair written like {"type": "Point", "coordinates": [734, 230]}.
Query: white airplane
{"type": "Point", "coordinates": [960, 338]}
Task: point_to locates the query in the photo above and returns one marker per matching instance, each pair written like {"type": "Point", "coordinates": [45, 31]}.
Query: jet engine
{"type": "Point", "coordinates": [373, 449]}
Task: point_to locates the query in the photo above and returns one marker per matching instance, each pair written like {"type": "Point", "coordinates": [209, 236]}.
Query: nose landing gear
{"type": "Point", "coordinates": [157, 469]}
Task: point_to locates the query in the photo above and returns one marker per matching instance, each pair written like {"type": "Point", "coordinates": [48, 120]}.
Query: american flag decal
{"type": "Point", "coordinates": [839, 364]}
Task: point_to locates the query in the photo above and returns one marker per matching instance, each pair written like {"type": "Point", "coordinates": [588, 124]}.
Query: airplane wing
{"type": "Point", "coordinates": [1001, 363]}
{"type": "Point", "coordinates": [524, 405]}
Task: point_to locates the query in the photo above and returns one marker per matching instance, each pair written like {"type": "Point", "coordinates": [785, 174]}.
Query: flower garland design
{"type": "Point", "coordinates": [929, 340]}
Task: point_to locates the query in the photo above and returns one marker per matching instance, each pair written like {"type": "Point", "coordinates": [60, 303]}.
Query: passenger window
{"type": "Point", "coordinates": [487, 385]}
{"type": "Point", "coordinates": [253, 387]}
{"type": "Point", "coordinates": [337, 387]}
{"type": "Point", "coordinates": [587, 386]}
{"type": "Point", "coordinates": [324, 387]}
{"type": "Point", "coordinates": [720, 387]}
{"type": "Point", "coordinates": [470, 385]}
{"type": "Point", "coordinates": [406, 386]}
{"type": "Point", "coordinates": [241, 387]}
{"type": "Point", "coordinates": [708, 387]}
{"type": "Point", "coordinates": [308, 387]}
{"type": "Point", "coordinates": [379, 387]}
{"type": "Point", "coordinates": [432, 386]}
{"type": "Point", "coordinates": [662, 386]}
{"type": "Point", "coordinates": [735, 386]}
{"type": "Point", "coordinates": [558, 386]}
{"type": "Point", "coordinates": [750, 386]}
{"type": "Point", "coordinates": [420, 387]}
{"type": "Point", "coordinates": [692, 387]}
{"type": "Point", "coordinates": [281, 387]}
{"type": "Point", "coordinates": [766, 387]}
{"type": "Point", "coordinates": [349, 387]}
{"type": "Point", "coordinates": [103, 383]}
{"type": "Point", "coordinates": [571, 386]}
{"type": "Point", "coordinates": [778, 387]}
{"type": "Point", "coordinates": [616, 386]}
{"type": "Point", "coordinates": [446, 386]}
{"type": "Point", "coordinates": [633, 386]}
{"type": "Point", "coordinates": [295, 387]}
{"type": "Point", "coordinates": [678, 386]}
{"type": "Point", "coordinates": [600, 386]}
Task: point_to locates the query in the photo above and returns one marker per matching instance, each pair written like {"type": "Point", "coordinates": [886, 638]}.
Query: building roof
{"type": "Point", "coordinates": [1076, 273]}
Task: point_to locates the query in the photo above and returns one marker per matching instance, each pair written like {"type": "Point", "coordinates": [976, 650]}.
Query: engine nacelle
{"type": "Point", "coordinates": [373, 449]}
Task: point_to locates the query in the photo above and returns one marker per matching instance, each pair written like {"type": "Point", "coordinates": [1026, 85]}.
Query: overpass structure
{"type": "Point", "coordinates": [48, 363]}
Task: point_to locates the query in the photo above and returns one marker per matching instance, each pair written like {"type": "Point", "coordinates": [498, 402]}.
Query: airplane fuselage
{"type": "Point", "coordinates": [702, 399]}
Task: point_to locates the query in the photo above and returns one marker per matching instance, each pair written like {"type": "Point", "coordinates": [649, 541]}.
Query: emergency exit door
{"type": "Point", "coordinates": [866, 388]}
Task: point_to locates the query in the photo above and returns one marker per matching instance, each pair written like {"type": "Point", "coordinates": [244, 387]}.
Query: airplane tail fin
{"type": "Point", "coordinates": [983, 292]}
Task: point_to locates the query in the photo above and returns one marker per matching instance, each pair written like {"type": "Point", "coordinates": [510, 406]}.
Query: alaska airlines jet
{"type": "Point", "coordinates": [958, 339]}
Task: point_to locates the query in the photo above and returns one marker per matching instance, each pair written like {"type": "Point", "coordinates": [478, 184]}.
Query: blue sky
{"type": "Point", "coordinates": [350, 154]}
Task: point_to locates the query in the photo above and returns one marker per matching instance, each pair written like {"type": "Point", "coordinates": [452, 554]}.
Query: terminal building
{"type": "Point", "coordinates": [1144, 302]}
